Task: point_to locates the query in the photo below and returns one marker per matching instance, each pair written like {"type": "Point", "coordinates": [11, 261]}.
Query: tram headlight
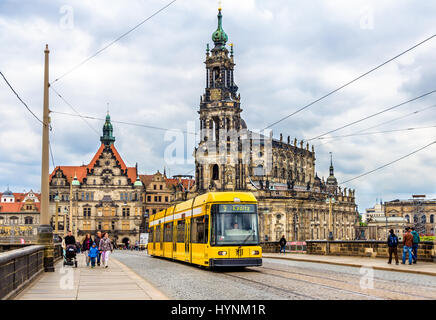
{"type": "Point", "coordinates": [254, 252]}
{"type": "Point", "coordinates": [222, 253]}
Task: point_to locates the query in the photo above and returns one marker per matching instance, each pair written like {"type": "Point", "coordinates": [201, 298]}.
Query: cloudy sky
{"type": "Point", "coordinates": [287, 54]}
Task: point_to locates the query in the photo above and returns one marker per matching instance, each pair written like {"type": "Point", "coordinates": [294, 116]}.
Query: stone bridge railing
{"type": "Point", "coordinates": [20, 265]}
{"type": "Point", "coordinates": [366, 248]}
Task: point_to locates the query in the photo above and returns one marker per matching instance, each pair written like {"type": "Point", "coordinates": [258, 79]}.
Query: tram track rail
{"type": "Point", "coordinates": [402, 293]}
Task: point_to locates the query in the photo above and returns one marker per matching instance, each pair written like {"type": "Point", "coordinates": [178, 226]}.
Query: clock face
{"type": "Point", "coordinates": [215, 94]}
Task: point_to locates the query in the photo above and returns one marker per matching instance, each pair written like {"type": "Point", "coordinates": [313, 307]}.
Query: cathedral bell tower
{"type": "Point", "coordinates": [219, 112]}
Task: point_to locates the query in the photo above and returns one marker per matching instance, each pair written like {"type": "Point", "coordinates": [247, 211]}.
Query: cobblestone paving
{"type": "Point", "coordinates": [278, 279]}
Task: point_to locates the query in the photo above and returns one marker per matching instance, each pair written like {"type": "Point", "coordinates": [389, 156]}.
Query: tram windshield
{"type": "Point", "coordinates": [234, 224]}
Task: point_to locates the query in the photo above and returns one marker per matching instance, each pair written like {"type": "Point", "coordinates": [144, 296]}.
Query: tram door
{"type": "Point", "coordinates": [162, 233]}
{"type": "Point", "coordinates": [188, 240]}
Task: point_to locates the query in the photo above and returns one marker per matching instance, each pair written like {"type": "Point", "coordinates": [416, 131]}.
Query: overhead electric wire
{"type": "Point", "coordinates": [125, 122]}
{"type": "Point", "coordinates": [114, 41]}
{"type": "Point", "coordinates": [78, 114]}
{"type": "Point", "coordinates": [373, 115]}
{"type": "Point", "coordinates": [19, 98]}
{"type": "Point", "coordinates": [396, 119]}
{"type": "Point", "coordinates": [377, 132]}
{"type": "Point", "coordinates": [350, 82]}
{"type": "Point", "coordinates": [386, 122]}
{"type": "Point", "coordinates": [390, 163]}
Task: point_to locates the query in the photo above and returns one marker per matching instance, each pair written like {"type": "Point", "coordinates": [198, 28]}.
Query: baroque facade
{"type": "Point", "coordinates": [106, 194]}
{"type": "Point", "coordinates": [419, 212]}
{"type": "Point", "coordinates": [19, 214]}
{"type": "Point", "coordinates": [160, 192]}
{"type": "Point", "coordinates": [281, 174]}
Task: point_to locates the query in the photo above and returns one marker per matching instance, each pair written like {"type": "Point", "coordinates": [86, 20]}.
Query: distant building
{"type": "Point", "coordinates": [160, 192]}
{"type": "Point", "coordinates": [379, 226]}
{"type": "Point", "coordinates": [19, 214]}
{"type": "Point", "coordinates": [377, 211]}
{"type": "Point", "coordinates": [418, 212]}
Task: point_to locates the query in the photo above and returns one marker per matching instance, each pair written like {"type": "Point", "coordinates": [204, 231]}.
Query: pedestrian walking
{"type": "Point", "coordinates": [415, 245]}
{"type": "Point", "coordinates": [392, 244]}
{"type": "Point", "coordinates": [283, 245]}
{"type": "Point", "coordinates": [69, 239]}
{"type": "Point", "coordinates": [93, 254]}
{"type": "Point", "coordinates": [407, 246]}
{"type": "Point", "coordinates": [86, 245]}
{"type": "Point", "coordinates": [97, 242]}
{"type": "Point", "coordinates": [105, 248]}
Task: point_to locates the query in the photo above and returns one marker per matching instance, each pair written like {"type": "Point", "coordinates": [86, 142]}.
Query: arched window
{"type": "Point", "coordinates": [28, 220]}
{"type": "Point", "coordinates": [424, 219]}
{"type": "Point", "coordinates": [415, 218]}
{"type": "Point", "coordinates": [407, 218]}
{"type": "Point", "coordinates": [432, 218]}
{"type": "Point", "coordinates": [215, 172]}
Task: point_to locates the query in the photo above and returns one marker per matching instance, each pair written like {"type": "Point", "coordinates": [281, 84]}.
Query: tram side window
{"type": "Point", "coordinates": [168, 235]}
{"type": "Point", "coordinates": [199, 229]}
{"type": "Point", "coordinates": [157, 239]}
{"type": "Point", "coordinates": [151, 235]}
{"type": "Point", "coordinates": [181, 231]}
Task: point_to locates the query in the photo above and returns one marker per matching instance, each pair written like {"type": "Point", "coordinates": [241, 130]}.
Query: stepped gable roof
{"type": "Point", "coordinates": [148, 178]}
{"type": "Point", "coordinates": [81, 171]}
{"type": "Point", "coordinates": [187, 183]}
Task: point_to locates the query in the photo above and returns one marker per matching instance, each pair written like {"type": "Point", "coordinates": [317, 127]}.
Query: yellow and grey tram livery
{"type": "Point", "coordinates": [215, 229]}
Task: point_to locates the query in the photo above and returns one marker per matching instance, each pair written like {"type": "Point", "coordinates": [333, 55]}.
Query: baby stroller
{"type": "Point", "coordinates": [70, 258]}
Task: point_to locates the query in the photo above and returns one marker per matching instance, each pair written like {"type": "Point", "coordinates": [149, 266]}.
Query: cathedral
{"type": "Point", "coordinates": [281, 174]}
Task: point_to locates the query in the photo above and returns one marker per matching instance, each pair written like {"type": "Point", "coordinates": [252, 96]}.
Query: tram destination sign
{"type": "Point", "coordinates": [237, 208]}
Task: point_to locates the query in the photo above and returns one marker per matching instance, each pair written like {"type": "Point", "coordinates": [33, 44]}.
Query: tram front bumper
{"type": "Point", "coordinates": [235, 262]}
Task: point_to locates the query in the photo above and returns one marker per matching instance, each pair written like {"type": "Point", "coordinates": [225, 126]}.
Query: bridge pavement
{"type": "Point", "coordinates": [117, 282]}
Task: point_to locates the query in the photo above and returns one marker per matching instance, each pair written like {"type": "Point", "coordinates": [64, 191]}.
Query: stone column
{"type": "Point", "coordinates": [45, 231]}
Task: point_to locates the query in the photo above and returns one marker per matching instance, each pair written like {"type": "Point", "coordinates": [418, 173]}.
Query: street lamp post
{"type": "Point", "coordinates": [330, 200]}
{"type": "Point", "coordinates": [56, 199]}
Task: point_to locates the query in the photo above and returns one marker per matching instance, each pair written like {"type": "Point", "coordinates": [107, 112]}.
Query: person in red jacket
{"type": "Point", "coordinates": [407, 246]}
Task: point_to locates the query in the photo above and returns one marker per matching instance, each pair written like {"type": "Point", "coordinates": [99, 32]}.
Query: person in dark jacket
{"type": "Point", "coordinates": [86, 245]}
{"type": "Point", "coordinates": [392, 244]}
{"type": "Point", "coordinates": [69, 239]}
{"type": "Point", "coordinates": [283, 245]}
{"type": "Point", "coordinates": [407, 246]}
{"type": "Point", "coordinates": [97, 242]}
{"type": "Point", "coordinates": [415, 245]}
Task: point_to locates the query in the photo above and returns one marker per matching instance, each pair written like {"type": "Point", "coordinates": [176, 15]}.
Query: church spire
{"type": "Point", "coordinates": [219, 37]}
{"type": "Point", "coordinates": [331, 180]}
{"type": "Point", "coordinates": [107, 137]}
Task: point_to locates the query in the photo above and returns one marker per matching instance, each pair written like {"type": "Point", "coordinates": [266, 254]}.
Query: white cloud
{"type": "Point", "coordinates": [286, 55]}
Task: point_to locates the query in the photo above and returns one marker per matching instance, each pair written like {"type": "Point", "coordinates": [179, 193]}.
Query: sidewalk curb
{"type": "Point", "coordinates": [358, 265]}
{"type": "Point", "coordinates": [150, 290]}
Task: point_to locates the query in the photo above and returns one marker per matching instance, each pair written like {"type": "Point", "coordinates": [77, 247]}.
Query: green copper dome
{"type": "Point", "coordinates": [107, 137]}
{"type": "Point", "coordinates": [138, 182]}
{"type": "Point", "coordinates": [75, 182]}
{"type": "Point", "coordinates": [219, 37]}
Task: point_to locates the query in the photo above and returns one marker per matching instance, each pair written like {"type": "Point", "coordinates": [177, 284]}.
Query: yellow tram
{"type": "Point", "coordinates": [213, 230]}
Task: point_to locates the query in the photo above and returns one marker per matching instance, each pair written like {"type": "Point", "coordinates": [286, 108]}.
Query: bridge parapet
{"type": "Point", "coordinates": [19, 265]}
{"type": "Point", "coordinates": [366, 248]}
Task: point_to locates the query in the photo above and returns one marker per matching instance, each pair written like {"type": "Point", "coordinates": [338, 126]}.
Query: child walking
{"type": "Point", "coordinates": [93, 254]}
